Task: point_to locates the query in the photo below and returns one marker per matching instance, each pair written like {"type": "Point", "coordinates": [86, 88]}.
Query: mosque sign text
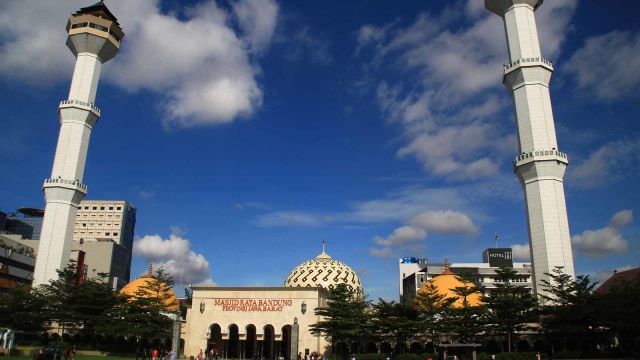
{"type": "Point", "coordinates": [252, 304]}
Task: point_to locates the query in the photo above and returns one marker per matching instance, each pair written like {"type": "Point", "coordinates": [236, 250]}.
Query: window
{"type": "Point", "coordinates": [84, 224]}
{"type": "Point", "coordinates": [94, 208]}
{"type": "Point", "coordinates": [115, 234]}
{"type": "Point", "coordinates": [86, 208]}
{"type": "Point", "coordinates": [101, 207]}
{"type": "Point", "coordinates": [111, 208]}
{"type": "Point", "coordinates": [119, 208]}
{"type": "Point", "coordinates": [107, 234]}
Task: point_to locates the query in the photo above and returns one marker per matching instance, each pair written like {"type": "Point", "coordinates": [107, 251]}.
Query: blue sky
{"type": "Point", "coordinates": [247, 132]}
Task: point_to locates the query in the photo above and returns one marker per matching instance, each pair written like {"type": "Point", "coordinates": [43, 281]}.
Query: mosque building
{"type": "Point", "coordinates": [445, 285]}
{"type": "Point", "coordinates": [266, 322]}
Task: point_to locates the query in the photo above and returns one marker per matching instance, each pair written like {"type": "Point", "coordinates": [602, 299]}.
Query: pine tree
{"type": "Point", "coordinates": [433, 310]}
{"type": "Point", "coordinates": [511, 307]}
{"type": "Point", "coordinates": [344, 319]}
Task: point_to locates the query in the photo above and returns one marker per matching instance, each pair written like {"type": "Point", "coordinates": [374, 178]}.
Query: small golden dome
{"type": "Point", "coordinates": [133, 288]}
{"type": "Point", "coordinates": [447, 282]}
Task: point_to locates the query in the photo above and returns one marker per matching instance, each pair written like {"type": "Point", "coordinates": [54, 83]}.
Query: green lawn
{"type": "Point", "coordinates": [78, 357]}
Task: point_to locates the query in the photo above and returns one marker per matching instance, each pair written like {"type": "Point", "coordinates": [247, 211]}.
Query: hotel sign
{"type": "Point", "coordinates": [498, 257]}
{"type": "Point", "coordinates": [252, 304]}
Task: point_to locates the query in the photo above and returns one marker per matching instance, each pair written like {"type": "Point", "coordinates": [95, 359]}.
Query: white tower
{"type": "Point", "coordinates": [540, 165]}
{"type": "Point", "coordinates": [94, 38]}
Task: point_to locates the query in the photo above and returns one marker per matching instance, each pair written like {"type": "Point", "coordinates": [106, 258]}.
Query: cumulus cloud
{"type": "Point", "coordinates": [401, 236]}
{"type": "Point", "coordinates": [454, 93]}
{"type": "Point", "coordinates": [175, 256]}
{"type": "Point", "coordinates": [258, 20]}
{"type": "Point", "coordinates": [201, 69]}
{"type": "Point", "coordinates": [605, 241]}
{"type": "Point", "coordinates": [445, 222]}
{"type": "Point", "coordinates": [521, 252]}
{"type": "Point", "coordinates": [607, 67]}
{"type": "Point", "coordinates": [611, 162]}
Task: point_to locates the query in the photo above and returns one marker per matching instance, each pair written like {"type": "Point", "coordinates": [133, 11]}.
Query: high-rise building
{"type": "Point", "coordinates": [112, 220]}
{"type": "Point", "coordinates": [94, 37]}
{"type": "Point", "coordinates": [539, 165]}
{"type": "Point", "coordinates": [27, 222]}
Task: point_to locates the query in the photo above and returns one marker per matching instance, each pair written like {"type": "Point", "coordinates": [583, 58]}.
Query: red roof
{"type": "Point", "coordinates": [618, 278]}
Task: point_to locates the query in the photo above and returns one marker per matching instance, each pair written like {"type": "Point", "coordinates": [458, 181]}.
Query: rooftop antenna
{"type": "Point", "coordinates": [497, 240]}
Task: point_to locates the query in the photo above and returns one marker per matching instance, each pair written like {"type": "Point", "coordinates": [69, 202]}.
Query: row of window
{"type": "Point", "coordinates": [97, 27]}
{"type": "Point", "coordinates": [99, 225]}
{"type": "Point", "coordinates": [95, 208]}
{"type": "Point", "coordinates": [98, 217]}
{"type": "Point", "coordinates": [90, 233]}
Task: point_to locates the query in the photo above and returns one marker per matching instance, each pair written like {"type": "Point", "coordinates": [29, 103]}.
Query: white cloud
{"type": "Point", "coordinates": [445, 222]}
{"type": "Point", "coordinates": [608, 66]}
{"type": "Point", "coordinates": [447, 106]}
{"type": "Point", "coordinates": [611, 162]}
{"type": "Point", "coordinates": [385, 252]}
{"type": "Point", "coordinates": [604, 241]}
{"type": "Point", "coordinates": [620, 219]}
{"type": "Point", "coordinates": [305, 43]}
{"type": "Point", "coordinates": [521, 252]}
{"type": "Point", "coordinates": [198, 66]}
{"type": "Point", "coordinates": [290, 218]}
{"type": "Point", "coordinates": [258, 20]}
{"type": "Point", "coordinates": [175, 256]}
{"type": "Point", "coordinates": [402, 236]}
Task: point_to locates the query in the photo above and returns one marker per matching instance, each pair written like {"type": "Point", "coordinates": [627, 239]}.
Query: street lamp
{"type": "Point", "coordinates": [202, 307]}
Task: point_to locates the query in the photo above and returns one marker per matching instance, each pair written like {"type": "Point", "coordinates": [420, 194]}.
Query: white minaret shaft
{"type": "Point", "coordinates": [94, 38]}
{"type": "Point", "coordinates": [540, 166]}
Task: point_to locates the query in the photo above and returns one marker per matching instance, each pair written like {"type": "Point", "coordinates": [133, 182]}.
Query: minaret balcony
{"type": "Point", "coordinates": [540, 155]}
{"type": "Point", "coordinates": [80, 104]}
{"type": "Point", "coordinates": [65, 183]}
{"type": "Point", "coordinates": [528, 62]}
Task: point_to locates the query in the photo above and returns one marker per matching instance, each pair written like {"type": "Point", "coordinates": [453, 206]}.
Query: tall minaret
{"type": "Point", "coordinates": [94, 38]}
{"type": "Point", "coordinates": [540, 165]}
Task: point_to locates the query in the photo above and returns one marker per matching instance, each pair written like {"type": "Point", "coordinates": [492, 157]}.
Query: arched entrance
{"type": "Point", "coordinates": [250, 343]}
{"type": "Point", "coordinates": [285, 343]}
{"type": "Point", "coordinates": [268, 342]}
{"type": "Point", "coordinates": [233, 344]}
{"type": "Point", "coordinates": [215, 339]}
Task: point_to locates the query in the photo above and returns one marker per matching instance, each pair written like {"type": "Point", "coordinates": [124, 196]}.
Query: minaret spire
{"type": "Point", "coordinates": [539, 165]}
{"type": "Point", "coordinates": [94, 37]}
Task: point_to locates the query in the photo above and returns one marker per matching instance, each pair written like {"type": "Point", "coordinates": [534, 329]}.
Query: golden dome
{"type": "Point", "coordinates": [135, 287]}
{"type": "Point", "coordinates": [447, 282]}
{"type": "Point", "coordinates": [324, 272]}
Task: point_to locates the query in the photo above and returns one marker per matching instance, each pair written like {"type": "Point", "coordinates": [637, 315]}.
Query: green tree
{"type": "Point", "coordinates": [21, 310]}
{"type": "Point", "coordinates": [433, 309]}
{"type": "Point", "coordinates": [344, 319]}
{"type": "Point", "coordinates": [618, 311]}
{"type": "Point", "coordinates": [466, 320]}
{"type": "Point", "coordinates": [72, 303]}
{"type": "Point", "coordinates": [144, 314]}
{"type": "Point", "coordinates": [566, 305]}
{"type": "Point", "coordinates": [394, 322]}
{"type": "Point", "coordinates": [511, 307]}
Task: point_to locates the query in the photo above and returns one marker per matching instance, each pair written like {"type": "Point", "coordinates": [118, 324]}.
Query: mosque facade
{"type": "Point", "coordinates": [266, 322]}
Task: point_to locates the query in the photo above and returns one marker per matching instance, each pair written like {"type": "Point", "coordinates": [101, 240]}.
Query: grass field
{"type": "Point", "coordinates": [78, 357]}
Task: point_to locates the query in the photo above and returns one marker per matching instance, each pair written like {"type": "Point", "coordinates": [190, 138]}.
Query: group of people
{"type": "Point", "coordinates": [212, 353]}
{"type": "Point", "coordinates": [154, 354]}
